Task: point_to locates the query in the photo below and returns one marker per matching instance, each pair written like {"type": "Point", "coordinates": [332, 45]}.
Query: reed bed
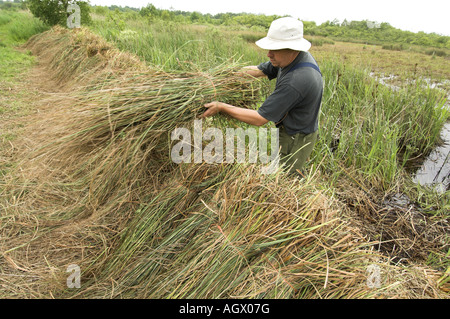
{"type": "Point", "coordinates": [169, 46]}
{"type": "Point", "coordinates": [369, 128]}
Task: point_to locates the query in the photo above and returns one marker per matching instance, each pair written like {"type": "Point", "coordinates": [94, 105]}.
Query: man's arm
{"type": "Point", "coordinates": [248, 116]}
{"type": "Point", "coordinates": [253, 71]}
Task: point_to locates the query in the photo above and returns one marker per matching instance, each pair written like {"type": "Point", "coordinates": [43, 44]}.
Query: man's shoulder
{"type": "Point", "coordinates": [303, 73]}
{"type": "Point", "coordinates": [305, 76]}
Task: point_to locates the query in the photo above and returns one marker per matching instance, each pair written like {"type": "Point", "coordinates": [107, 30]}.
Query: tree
{"type": "Point", "coordinates": [149, 11]}
{"type": "Point", "coordinates": [195, 16]}
{"type": "Point", "coordinates": [55, 12]}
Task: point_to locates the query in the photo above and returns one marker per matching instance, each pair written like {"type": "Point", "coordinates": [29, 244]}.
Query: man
{"type": "Point", "coordinates": [294, 104]}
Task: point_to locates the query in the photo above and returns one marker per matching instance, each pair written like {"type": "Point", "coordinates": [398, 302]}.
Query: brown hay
{"type": "Point", "coordinates": [78, 57]}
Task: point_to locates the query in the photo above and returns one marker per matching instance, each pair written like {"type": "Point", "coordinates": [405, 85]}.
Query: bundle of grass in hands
{"type": "Point", "coordinates": [156, 102]}
{"type": "Point", "coordinates": [129, 120]}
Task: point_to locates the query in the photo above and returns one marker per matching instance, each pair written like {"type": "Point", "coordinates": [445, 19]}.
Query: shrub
{"type": "Point", "coordinates": [55, 12]}
{"type": "Point", "coordinates": [4, 18]}
{"type": "Point", "coordinates": [394, 47]}
{"type": "Point", "coordinates": [437, 52]}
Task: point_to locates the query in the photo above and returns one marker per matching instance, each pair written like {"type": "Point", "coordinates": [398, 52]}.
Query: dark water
{"type": "Point", "coordinates": [435, 170]}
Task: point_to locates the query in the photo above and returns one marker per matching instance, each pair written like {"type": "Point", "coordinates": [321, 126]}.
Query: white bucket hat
{"type": "Point", "coordinates": [285, 33]}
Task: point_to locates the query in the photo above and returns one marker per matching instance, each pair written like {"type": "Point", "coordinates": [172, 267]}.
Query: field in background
{"type": "Point", "coordinates": [133, 32]}
{"type": "Point", "coordinates": [211, 232]}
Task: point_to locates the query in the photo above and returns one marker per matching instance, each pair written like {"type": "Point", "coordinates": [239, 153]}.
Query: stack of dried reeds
{"type": "Point", "coordinates": [117, 128]}
{"type": "Point", "coordinates": [93, 151]}
{"type": "Point", "coordinates": [78, 56]}
{"type": "Point", "coordinates": [231, 232]}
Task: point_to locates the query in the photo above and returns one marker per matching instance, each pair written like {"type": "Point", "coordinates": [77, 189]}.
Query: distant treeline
{"type": "Point", "coordinates": [375, 33]}
{"type": "Point", "coordinates": [365, 31]}
{"type": "Point", "coordinates": [13, 5]}
{"type": "Point", "coordinates": [369, 32]}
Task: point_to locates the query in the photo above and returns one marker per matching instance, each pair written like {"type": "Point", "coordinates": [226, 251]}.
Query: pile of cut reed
{"type": "Point", "coordinates": [78, 56]}
{"type": "Point", "coordinates": [230, 232]}
{"type": "Point", "coordinates": [92, 154]}
{"type": "Point", "coordinates": [227, 231]}
{"type": "Point", "coordinates": [117, 128]}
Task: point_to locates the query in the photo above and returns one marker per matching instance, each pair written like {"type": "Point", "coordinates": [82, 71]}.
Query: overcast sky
{"type": "Point", "coordinates": [428, 16]}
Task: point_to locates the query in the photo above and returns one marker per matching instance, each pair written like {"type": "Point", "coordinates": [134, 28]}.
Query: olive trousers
{"type": "Point", "coordinates": [295, 149]}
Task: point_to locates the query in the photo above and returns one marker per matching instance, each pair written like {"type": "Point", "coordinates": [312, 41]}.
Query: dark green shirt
{"type": "Point", "coordinates": [297, 93]}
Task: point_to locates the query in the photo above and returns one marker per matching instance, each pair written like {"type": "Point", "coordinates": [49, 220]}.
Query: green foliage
{"type": "Point", "coordinates": [23, 30]}
{"type": "Point", "coordinates": [176, 46]}
{"type": "Point", "coordinates": [379, 130]}
{"type": "Point", "coordinates": [15, 28]}
{"type": "Point", "coordinates": [116, 19]}
{"type": "Point", "coordinates": [317, 42]}
{"type": "Point", "coordinates": [436, 52]}
{"type": "Point", "coordinates": [12, 6]}
{"type": "Point", "coordinates": [352, 31]}
{"type": "Point", "coordinates": [149, 11]}
{"type": "Point", "coordinates": [4, 18]}
{"type": "Point", "coordinates": [18, 27]}
{"type": "Point", "coordinates": [394, 47]}
{"type": "Point", "coordinates": [375, 33]}
{"type": "Point", "coordinates": [54, 12]}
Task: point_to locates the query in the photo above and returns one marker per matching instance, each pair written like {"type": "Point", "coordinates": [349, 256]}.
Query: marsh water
{"type": "Point", "coordinates": [434, 172]}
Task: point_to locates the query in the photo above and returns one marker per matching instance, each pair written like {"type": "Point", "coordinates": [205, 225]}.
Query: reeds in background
{"type": "Point", "coordinates": [173, 46]}
{"type": "Point", "coordinates": [378, 130]}
{"type": "Point", "coordinates": [21, 27]}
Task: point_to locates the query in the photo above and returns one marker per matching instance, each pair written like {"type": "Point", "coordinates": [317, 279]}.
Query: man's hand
{"type": "Point", "coordinates": [245, 115]}
{"type": "Point", "coordinates": [212, 109]}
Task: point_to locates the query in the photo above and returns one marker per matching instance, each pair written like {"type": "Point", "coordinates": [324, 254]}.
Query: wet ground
{"type": "Point", "coordinates": [435, 170]}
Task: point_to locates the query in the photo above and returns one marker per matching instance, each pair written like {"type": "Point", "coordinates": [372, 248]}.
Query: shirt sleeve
{"type": "Point", "coordinates": [280, 102]}
{"type": "Point", "coordinates": [269, 70]}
